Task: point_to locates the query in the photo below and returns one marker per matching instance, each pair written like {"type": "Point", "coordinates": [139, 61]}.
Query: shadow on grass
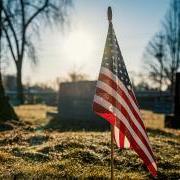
{"type": "Point", "coordinates": [37, 140]}
{"type": "Point", "coordinates": [30, 156]}
{"type": "Point", "coordinates": [21, 175]}
{"type": "Point", "coordinates": [60, 124]}
{"type": "Point", "coordinates": [159, 132]}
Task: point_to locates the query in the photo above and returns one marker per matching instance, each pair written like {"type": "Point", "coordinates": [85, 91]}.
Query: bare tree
{"type": "Point", "coordinates": [165, 50]}
{"type": "Point", "coordinates": [76, 75]}
{"type": "Point", "coordinates": [155, 59]}
{"type": "Point", "coordinates": [6, 110]}
{"type": "Point", "coordinates": [22, 20]}
{"type": "Point", "coordinates": [172, 34]}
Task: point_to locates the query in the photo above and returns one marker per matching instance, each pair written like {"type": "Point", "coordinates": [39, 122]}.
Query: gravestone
{"type": "Point", "coordinates": [173, 121]}
{"type": "Point", "coordinates": [75, 107]}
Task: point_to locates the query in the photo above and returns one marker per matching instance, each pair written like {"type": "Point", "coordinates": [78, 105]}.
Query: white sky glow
{"type": "Point", "coordinates": [78, 46]}
{"type": "Point", "coordinates": [82, 45]}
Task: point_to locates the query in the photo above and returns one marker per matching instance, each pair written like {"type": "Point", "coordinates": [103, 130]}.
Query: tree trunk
{"type": "Point", "coordinates": [20, 93]}
{"type": "Point", "coordinates": [6, 110]}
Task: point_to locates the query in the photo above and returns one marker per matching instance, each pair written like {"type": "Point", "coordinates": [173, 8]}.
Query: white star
{"type": "Point", "coordinates": [129, 87]}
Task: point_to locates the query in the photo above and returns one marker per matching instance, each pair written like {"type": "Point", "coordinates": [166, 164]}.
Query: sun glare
{"type": "Point", "coordinates": [78, 46]}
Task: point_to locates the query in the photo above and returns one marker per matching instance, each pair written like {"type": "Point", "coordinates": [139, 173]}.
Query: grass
{"type": "Point", "coordinates": [34, 114]}
{"type": "Point", "coordinates": [152, 120]}
{"type": "Point", "coordinates": [30, 153]}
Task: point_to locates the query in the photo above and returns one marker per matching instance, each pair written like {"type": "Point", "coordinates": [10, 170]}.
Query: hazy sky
{"type": "Point", "coordinates": [135, 22]}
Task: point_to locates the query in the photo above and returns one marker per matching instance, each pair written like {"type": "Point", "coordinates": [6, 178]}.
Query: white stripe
{"type": "Point", "coordinates": [116, 135]}
{"type": "Point", "coordinates": [154, 165]}
{"type": "Point", "coordinates": [114, 78]}
{"type": "Point", "coordinates": [126, 142]}
{"type": "Point", "coordinates": [99, 100]}
{"type": "Point", "coordinates": [113, 93]}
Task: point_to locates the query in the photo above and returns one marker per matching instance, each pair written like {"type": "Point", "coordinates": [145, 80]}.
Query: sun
{"type": "Point", "coordinates": [78, 46]}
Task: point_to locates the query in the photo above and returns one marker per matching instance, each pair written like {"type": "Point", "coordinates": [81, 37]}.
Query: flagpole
{"type": "Point", "coordinates": [112, 152]}
{"type": "Point", "coordinates": [109, 14]}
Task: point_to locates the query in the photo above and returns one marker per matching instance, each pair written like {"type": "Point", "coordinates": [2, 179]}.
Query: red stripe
{"type": "Point", "coordinates": [133, 143]}
{"type": "Point", "coordinates": [118, 89]}
{"type": "Point", "coordinates": [104, 113]}
{"type": "Point", "coordinates": [116, 104]}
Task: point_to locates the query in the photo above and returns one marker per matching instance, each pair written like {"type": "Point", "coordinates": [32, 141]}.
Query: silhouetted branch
{"type": "Point", "coordinates": [7, 17]}
{"type": "Point", "coordinates": [37, 12]}
{"type": "Point", "coordinates": [10, 44]}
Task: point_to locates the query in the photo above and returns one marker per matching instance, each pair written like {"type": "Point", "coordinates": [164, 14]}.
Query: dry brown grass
{"type": "Point", "coordinates": [42, 155]}
{"type": "Point", "coordinates": [35, 114]}
{"type": "Point", "coordinates": [31, 153]}
{"type": "Point", "coordinates": [152, 120]}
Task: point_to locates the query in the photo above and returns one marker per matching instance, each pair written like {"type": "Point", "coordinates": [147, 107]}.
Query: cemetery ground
{"type": "Point", "coordinates": [32, 149]}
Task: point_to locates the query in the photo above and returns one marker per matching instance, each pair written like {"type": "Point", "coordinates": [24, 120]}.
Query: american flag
{"type": "Point", "coordinates": [115, 101]}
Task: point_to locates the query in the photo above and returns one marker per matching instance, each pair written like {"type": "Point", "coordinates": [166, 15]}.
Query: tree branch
{"type": "Point", "coordinates": [23, 30]}
{"type": "Point", "coordinates": [12, 29]}
{"type": "Point", "coordinates": [36, 13]}
{"type": "Point", "coordinates": [10, 44]}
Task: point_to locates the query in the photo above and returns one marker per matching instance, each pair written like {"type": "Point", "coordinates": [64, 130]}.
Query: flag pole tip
{"type": "Point", "coordinates": [109, 14]}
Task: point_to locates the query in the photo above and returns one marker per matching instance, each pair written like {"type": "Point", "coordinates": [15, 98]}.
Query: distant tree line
{"type": "Point", "coordinates": [162, 54]}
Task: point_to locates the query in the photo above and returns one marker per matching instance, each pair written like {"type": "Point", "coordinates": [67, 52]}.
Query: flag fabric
{"type": "Point", "coordinates": [115, 101]}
